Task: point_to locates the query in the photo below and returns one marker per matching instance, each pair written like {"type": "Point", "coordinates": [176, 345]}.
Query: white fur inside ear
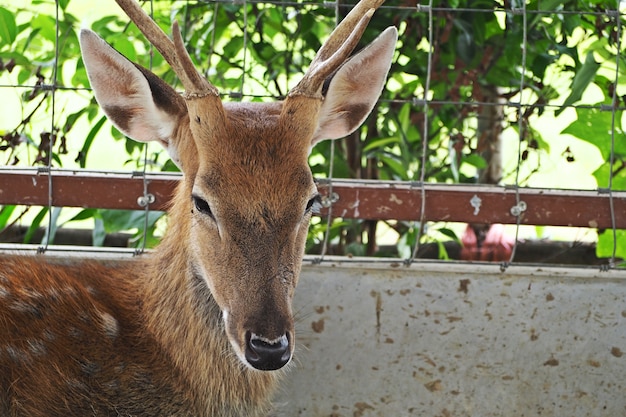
{"type": "Point", "coordinates": [354, 89]}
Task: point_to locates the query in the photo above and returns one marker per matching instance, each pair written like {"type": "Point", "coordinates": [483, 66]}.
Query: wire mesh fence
{"type": "Point", "coordinates": [513, 99]}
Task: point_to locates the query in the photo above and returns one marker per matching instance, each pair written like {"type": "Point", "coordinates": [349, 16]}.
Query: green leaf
{"type": "Point", "coordinates": [449, 233]}
{"type": "Point", "coordinates": [604, 248]}
{"type": "Point", "coordinates": [541, 143]}
{"type": "Point", "coordinates": [47, 26]}
{"type": "Point", "coordinates": [32, 36]}
{"type": "Point", "coordinates": [233, 47]}
{"type": "Point", "coordinates": [8, 28]}
{"type": "Point", "coordinates": [83, 215]}
{"type": "Point", "coordinates": [82, 158]}
{"type": "Point", "coordinates": [594, 126]}
{"type": "Point", "coordinates": [49, 234]}
{"type": "Point", "coordinates": [465, 45]}
{"type": "Point", "coordinates": [380, 143]}
{"type": "Point", "coordinates": [540, 232]}
{"type": "Point", "coordinates": [443, 253]}
{"type": "Point", "coordinates": [404, 118]}
{"type": "Point", "coordinates": [98, 234]}
{"type": "Point", "coordinates": [100, 26]}
{"type": "Point", "coordinates": [32, 229]}
{"type": "Point", "coordinates": [170, 166]}
{"type": "Point", "coordinates": [71, 120]}
{"type": "Point", "coordinates": [5, 215]}
{"type": "Point", "coordinates": [602, 177]}
{"type": "Point", "coordinates": [407, 241]}
{"type": "Point", "coordinates": [474, 160]}
{"type": "Point", "coordinates": [131, 146]}
{"type": "Point", "coordinates": [584, 76]}
{"type": "Point", "coordinates": [122, 220]}
{"type": "Point", "coordinates": [125, 47]}
{"type": "Point", "coordinates": [396, 166]}
{"type": "Point", "coordinates": [19, 59]}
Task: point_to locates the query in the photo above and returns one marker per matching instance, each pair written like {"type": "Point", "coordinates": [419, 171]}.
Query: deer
{"type": "Point", "coordinates": [204, 324]}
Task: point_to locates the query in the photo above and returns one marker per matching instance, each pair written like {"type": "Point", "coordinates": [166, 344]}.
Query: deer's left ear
{"type": "Point", "coordinates": [354, 89]}
{"type": "Point", "coordinates": [136, 101]}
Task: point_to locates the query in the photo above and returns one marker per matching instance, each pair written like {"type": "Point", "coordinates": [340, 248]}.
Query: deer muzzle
{"type": "Point", "coordinates": [267, 355]}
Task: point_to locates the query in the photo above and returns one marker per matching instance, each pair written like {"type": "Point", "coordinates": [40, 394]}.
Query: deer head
{"type": "Point", "coordinates": [247, 191]}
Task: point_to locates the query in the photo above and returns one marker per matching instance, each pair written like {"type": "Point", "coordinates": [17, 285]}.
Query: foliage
{"type": "Point", "coordinates": [606, 247]}
{"type": "Point", "coordinates": [259, 50]}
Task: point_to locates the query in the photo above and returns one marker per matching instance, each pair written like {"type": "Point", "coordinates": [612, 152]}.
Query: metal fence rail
{"type": "Point", "coordinates": [352, 199]}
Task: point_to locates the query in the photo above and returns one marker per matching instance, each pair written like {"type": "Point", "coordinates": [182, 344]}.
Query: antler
{"type": "Point", "coordinates": [336, 49]}
{"type": "Point", "coordinates": [174, 52]}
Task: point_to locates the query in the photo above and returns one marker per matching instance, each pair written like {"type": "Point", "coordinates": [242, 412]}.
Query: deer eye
{"type": "Point", "coordinates": [202, 206]}
{"type": "Point", "coordinates": [314, 204]}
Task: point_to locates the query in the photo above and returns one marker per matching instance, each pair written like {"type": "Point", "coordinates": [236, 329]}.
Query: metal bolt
{"type": "Point", "coordinates": [328, 201]}
{"type": "Point", "coordinates": [519, 208]}
{"type": "Point", "coordinates": [144, 200]}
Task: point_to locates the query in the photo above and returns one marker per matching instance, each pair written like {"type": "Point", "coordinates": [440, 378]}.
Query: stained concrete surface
{"type": "Point", "coordinates": [382, 339]}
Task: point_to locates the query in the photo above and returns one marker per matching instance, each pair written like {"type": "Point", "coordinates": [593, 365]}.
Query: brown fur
{"type": "Point", "coordinates": [170, 354]}
{"type": "Point", "coordinates": [74, 342]}
{"type": "Point", "coordinates": [171, 334]}
{"type": "Point", "coordinates": [170, 341]}
{"type": "Point", "coordinates": [57, 356]}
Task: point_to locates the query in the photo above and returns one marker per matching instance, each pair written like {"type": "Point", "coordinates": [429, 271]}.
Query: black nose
{"type": "Point", "coordinates": [265, 355]}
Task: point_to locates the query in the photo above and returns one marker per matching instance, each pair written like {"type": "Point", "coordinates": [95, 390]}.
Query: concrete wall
{"type": "Point", "coordinates": [457, 340]}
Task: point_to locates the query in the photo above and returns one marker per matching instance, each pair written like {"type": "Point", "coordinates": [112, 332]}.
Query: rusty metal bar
{"type": "Point", "coordinates": [85, 189]}
{"type": "Point", "coordinates": [356, 199]}
{"type": "Point", "coordinates": [478, 204]}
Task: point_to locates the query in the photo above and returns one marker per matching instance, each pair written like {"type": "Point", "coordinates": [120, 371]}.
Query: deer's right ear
{"type": "Point", "coordinates": [137, 102]}
{"type": "Point", "coordinates": [355, 88]}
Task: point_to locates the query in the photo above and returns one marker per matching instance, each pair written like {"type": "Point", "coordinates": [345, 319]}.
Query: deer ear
{"type": "Point", "coordinates": [136, 101]}
{"type": "Point", "coordinates": [355, 87]}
